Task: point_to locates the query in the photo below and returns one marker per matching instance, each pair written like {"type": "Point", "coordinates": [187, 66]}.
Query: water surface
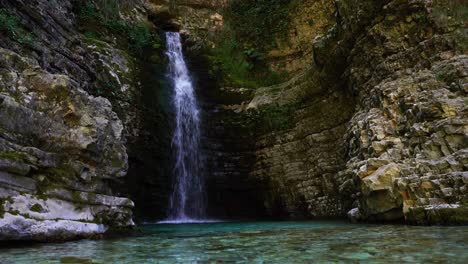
{"type": "Point", "coordinates": [260, 242]}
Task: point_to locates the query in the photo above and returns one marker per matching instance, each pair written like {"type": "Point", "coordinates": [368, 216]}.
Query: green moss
{"type": "Point", "coordinates": [36, 208]}
{"type": "Point", "coordinates": [234, 63]}
{"type": "Point", "coordinates": [2, 208]}
{"type": "Point", "coordinates": [14, 212]}
{"type": "Point", "coordinates": [450, 17]}
{"type": "Point", "coordinates": [26, 39]}
{"type": "Point", "coordinates": [101, 19]}
{"type": "Point", "coordinates": [76, 197]}
{"type": "Point", "coordinates": [8, 22]}
{"type": "Point", "coordinates": [447, 12]}
{"type": "Point", "coordinates": [17, 156]}
{"type": "Point", "coordinates": [251, 30]}
{"type": "Point", "coordinates": [10, 25]}
{"type": "Point", "coordinates": [59, 172]}
{"type": "Point", "coordinates": [75, 260]}
{"type": "Point", "coordinates": [275, 117]}
{"type": "Point", "coordinates": [54, 178]}
{"type": "Point", "coordinates": [260, 22]}
{"type": "Point", "coordinates": [440, 77]}
{"type": "Point", "coordinates": [91, 196]}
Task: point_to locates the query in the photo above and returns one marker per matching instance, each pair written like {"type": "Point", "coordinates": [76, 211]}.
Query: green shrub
{"type": "Point", "coordinates": [10, 25]}
{"type": "Point", "coordinates": [139, 36]}
{"type": "Point", "coordinates": [36, 208]}
{"type": "Point", "coordinates": [234, 64]}
{"type": "Point", "coordinates": [26, 39]}
{"type": "Point", "coordinates": [275, 117]}
{"type": "Point", "coordinates": [110, 9]}
{"type": "Point", "coordinates": [8, 22]}
{"type": "Point", "coordinates": [13, 155]}
{"type": "Point", "coordinates": [87, 11]}
{"type": "Point", "coordinates": [116, 25]}
{"type": "Point", "coordinates": [101, 18]}
{"type": "Point", "coordinates": [259, 22]}
{"type": "Point", "coordinates": [251, 30]}
{"type": "Point", "coordinates": [2, 208]}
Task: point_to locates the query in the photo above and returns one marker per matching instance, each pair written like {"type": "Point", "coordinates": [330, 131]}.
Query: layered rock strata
{"type": "Point", "coordinates": [60, 146]}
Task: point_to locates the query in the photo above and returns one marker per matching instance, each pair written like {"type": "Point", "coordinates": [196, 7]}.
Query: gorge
{"type": "Point", "coordinates": [124, 112]}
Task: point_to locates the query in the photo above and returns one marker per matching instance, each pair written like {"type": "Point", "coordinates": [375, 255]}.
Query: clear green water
{"type": "Point", "coordinates": [261, 242]}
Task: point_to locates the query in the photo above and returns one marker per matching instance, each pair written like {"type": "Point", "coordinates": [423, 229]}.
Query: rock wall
{"type": "Point", "coordinates": [407, 141]}
{"type": "Point", "coordinates": [399, 152]}
{"type": "Point", "coordinates": [371, 122]}
{"type": "Point", "coordinates": [61, 144]}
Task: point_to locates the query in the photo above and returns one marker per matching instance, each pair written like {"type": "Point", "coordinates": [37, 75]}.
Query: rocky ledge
{"type": "Point", "coordinates": [59, 147]}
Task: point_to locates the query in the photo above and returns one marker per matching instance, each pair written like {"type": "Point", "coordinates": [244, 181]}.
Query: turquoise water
{"type": "Point", "coordinates": [260, 242]}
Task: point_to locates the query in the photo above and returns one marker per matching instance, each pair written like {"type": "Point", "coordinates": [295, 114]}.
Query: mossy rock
{"type": "Point", "coordinates": [16, 156]}
{"type": "Point", "coordinates": [75, 260]}
{"type": "Point", "coordinates": [36, 208]}
{"type": "Point", "coordinates": [2, 207]}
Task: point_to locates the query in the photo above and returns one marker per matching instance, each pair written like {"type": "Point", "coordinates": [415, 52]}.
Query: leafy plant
{"type": "Point", "coordinates": [234, 64]}
{"type": "Point", "coordinates": [259, 22]}
{"type": "Point", "coordinates": [26, 39]}
{"type": "Point", "coordinates": [101, 18]}
{"type": "Point", "coordinates": [36, 208]}
{"type": "Point", "coordinates": [8, 22]}
{"type": "Point", "coordinates": [275, 117]}
{"type": "Point", "coordinates": [139, 36]}
{"type": "Point", "coordinates": [10, 25]}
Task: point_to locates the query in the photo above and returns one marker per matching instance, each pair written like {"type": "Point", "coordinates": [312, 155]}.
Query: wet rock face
{"type": "Point", "coordinates": [59, 146]}
{"type": "Point", "coordinates": [394, 146]}
{"type": "Point", "coordinates": [406, 143]}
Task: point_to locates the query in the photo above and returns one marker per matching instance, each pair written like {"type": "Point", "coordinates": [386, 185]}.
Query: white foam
{"type": "Point", "coordinates": [187, 221]}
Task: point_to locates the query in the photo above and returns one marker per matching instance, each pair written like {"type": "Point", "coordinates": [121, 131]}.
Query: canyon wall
{"type": "Point", "coordinates": [311, 109]}
{"type": "Point", "coordinates": [387, 139]}
{"type": "Point", "coordinates": [62, 143]}
{"type": "Point", "coordinates": [370, 120]}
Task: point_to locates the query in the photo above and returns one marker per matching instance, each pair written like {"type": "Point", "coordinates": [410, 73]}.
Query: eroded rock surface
{"type": "Point", "coordinates": [60, 146]}
{"type": "Point", "coordinates": [375, 128]}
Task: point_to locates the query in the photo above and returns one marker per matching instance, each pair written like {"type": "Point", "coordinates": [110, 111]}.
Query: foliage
{"type": "Point", "coordinates": [12, 155]}
{"type": "Point", "coordinates": [251, 30]}
{"type": "Point", "coordinates": [452, 16]}
{"type": "Point", "coordinates": [8, 22]}
{"type": "Point", "coordinates": [36, 208]}
{"type": "Point", "coordinates": [259, 22]}
{"type": "Point", "coordinates": [2, 208]}
{"type": "Point", "coordinates": [140, 36]}
{"type": "Point", "coordinates": [10, 25]}
{"type": "Point", "coordinates": [234, 64]}
{"type": "Point", "coordinates": [455, 11]}
{"type": "Point", "coordinates": [275, 117]}
{"type": "Point", "coordinates": [101, 18]}
{"type": "Point", "coordinates": [26, 39]}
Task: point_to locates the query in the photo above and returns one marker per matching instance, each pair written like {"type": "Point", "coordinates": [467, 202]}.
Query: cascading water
{"type": "Point", "coordinates": [187, 203]}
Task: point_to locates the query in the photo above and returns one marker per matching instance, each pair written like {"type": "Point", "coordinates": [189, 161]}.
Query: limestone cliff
{"type": "Point", "coordinates": [372, 119]}
{"type": "Point", "coordinates": [314, 108]}
{"type": "Point", "coordinates": [385, 131]}
{"type": "Point", "coordinates": [61, 144]}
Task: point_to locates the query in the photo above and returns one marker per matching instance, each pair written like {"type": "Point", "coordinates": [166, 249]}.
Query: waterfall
{"type": "Point", "coordinates": [187, 202]}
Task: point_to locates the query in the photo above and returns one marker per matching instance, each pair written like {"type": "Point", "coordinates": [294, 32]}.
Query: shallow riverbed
{"type": "Point", "coordinates": [260, 242]}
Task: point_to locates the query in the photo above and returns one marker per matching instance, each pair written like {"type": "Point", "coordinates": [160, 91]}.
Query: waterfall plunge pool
{"type": "Point", "coordinates": [260, 242]}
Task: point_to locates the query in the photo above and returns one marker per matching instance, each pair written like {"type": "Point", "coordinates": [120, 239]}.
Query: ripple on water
{"type": "Point", "coordinates": [262, 242]}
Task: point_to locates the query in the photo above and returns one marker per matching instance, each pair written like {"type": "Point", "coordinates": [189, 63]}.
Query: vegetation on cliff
{"type": "Point", "coordinates": [103, 19]}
